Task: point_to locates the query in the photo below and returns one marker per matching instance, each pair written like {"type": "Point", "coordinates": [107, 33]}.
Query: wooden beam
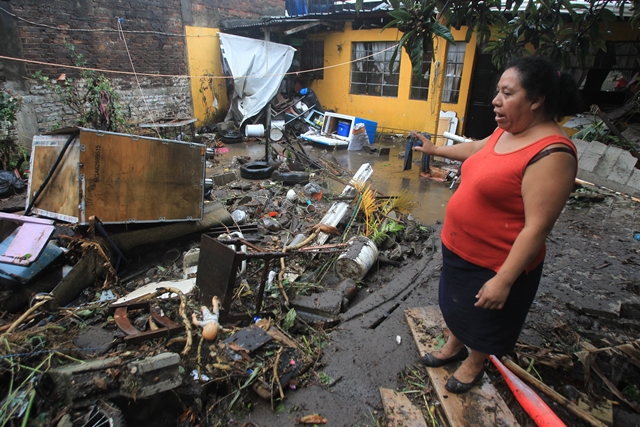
{"type": "Point", "coordinates": [482, 405]}
{"type": "Point", "coordinates": [399, 411]}
{"type": "Point", "coordinates": [302, 28]}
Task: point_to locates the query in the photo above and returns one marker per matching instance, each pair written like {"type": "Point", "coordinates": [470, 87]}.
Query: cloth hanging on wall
{"type": "Point", "coordinates": [257, 68]}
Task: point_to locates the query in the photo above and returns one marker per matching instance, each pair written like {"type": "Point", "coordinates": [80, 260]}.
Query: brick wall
{"type": "Point", "coordinates": [39, 30]}
{"type": "Point", "coordinates": [209, 13]}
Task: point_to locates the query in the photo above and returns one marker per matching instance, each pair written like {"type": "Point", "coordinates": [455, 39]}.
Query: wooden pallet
{"type": "Point", "coordinates": [482, 405]}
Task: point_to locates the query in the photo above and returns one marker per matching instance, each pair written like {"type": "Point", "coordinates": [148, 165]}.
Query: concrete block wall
{"type": "Point", "coordinates": [608, 166]}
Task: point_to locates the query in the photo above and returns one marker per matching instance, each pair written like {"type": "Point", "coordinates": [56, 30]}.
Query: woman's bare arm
{"type": "Point", "coordinates": [454, 152]}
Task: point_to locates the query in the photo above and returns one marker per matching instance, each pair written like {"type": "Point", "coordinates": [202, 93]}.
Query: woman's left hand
{"type": "Point", "coordinates": [493, 294]}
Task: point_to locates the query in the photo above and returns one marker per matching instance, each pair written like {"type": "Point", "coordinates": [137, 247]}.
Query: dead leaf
{"type": "Point", "coordinates": [312, 419]}
{"type": "Point", "coordinates": [100, 383]}
{"type": "Point", "coordinates": [221, 366]}
{"type": "Point", "coordinates": [235, 347]}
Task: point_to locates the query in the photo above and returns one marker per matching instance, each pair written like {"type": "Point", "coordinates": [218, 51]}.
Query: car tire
{"type": "Point", "coordinates": [230, 136]}
{"type": "Point", "coordinates": [256, 170]}
{"type": "Point", "coordinates": [290, 177]}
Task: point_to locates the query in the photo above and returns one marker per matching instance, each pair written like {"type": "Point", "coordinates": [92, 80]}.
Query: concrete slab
{"type": "Point", "coordinates": [329, 301]}
{"type": "Point", "coordinates": [597, 147]}
{"type": "Point", "coordinates": [621, 171]}
{"type": "Point", "coordinates": [581, 146]}
{"type": "Point", "coordinates": [588, 161]}
{"type": "Point", "coordinates": [634, 182]}
{"type": "Point", "coordinates": [608, 161]}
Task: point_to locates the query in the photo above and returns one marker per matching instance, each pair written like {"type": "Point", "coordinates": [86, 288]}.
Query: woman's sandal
{"type": "Point", "coordinates": [455, 386]}
{"type": "Point", "coordinates": [433, 362]}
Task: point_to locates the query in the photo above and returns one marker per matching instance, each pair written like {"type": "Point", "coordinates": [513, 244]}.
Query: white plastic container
{"type": "Point", "coordinates": [254, 130]}
{"type": "Point", "coordinates": [358, 258]}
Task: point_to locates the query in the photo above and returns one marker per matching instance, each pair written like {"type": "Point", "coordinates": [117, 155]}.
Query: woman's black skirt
{"type": "Point", "coordinates": [487, 331]}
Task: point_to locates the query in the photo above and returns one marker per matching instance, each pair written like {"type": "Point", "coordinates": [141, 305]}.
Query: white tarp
{"type": "Point", "coordinates": [257, 67]}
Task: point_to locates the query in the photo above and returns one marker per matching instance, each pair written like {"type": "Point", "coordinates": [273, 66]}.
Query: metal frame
{"type": "Point", "coordinates": [218, 269]}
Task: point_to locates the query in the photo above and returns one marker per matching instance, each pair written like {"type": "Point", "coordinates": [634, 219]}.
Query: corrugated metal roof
{"type": "Point", "coordinates": [339, 10]}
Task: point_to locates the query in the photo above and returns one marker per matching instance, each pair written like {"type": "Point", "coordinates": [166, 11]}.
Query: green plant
{"type": "Point", "coordinates": [324, 379]}
{"type": "Point", "coordinates": [632, 392]}
{"type": "Point", "coordinates": [564, 31]}
{"type": "Point", "coordinates": [289, 320]}
{"type": "Point", "coordinates": [12, 155]}
{"type": "Point", "coordinates": [9, 107]}
{"type": "Point", "coordinates": [93, 98]}
{"type": "Point", "coordinates": [419, 23]}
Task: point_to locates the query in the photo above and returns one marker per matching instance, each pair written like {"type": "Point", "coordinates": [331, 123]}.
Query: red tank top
{"type": "Point", "coordinates": [486, 213]}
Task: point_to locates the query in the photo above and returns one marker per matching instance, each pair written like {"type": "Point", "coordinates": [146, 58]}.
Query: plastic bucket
{"type": "Point", "coordinates": [358, 259]}
{"type": "Point", "coordinates": [254, 130]}
{"type": "Point", "coordinates": [275, 134]}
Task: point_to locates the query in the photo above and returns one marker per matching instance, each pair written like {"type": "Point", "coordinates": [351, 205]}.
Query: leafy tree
{"type": "Point", "coordinates": [561, 30]}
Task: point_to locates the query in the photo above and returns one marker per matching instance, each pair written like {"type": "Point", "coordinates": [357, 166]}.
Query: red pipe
{"type": "Point", "coordinates": [541, 414]}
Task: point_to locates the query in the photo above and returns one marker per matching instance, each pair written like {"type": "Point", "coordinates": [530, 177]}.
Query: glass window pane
{"type": "Point", "coordinates": [453, 72]}
{"type": "Point", "coordinates": [420, 85]}
{"type": "Point", "coordinates": [370, 69]}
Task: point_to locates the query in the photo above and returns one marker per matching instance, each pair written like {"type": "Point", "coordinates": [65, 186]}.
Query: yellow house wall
{"type": "Point", "coordinates": [208, 89]}
{"type": "Point", "coordinates": [393, 115]}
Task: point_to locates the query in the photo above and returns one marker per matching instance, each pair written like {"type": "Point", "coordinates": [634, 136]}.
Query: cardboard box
{"type": "Point", "coordinates": [119, 178]}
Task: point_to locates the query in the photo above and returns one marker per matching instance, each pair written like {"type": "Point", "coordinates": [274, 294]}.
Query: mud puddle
{"type": "Point", "coordinates": [388, 177]}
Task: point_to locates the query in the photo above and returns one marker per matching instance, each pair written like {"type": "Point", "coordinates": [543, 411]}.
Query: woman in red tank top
{"type": "Point", "coordinates": [514, 186]}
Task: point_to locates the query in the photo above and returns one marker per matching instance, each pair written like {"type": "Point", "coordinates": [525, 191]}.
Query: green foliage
{"type": "Point", "coordinates": [289, 320]}
{"type": "Point", "coordinates": [563, 31]}
{"type": "Point", "coordinates": [419, 23]}
{"type": "Point", "coordinates": [392, 227]}
{"type": "Point", "coordinates": [598, 131]}
{"type": "Point", "coordinates": [9, 107]}
{"type": "Point", "coordinates": [632, 392]}
{"type": "Point", "coordinates": [92, 97]}
{"type": "Point", "coordinates": [325, 379]}
{"type": "Point", "coordinates": [12, 155]}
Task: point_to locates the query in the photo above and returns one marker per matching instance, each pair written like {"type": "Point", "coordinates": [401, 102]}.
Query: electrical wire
{"type": "Point", "coordinates": [182, 76]}
{"type": "Point", "coordinates": [100, 30]}
{"type": "Point", "coordinates": [137, 80]}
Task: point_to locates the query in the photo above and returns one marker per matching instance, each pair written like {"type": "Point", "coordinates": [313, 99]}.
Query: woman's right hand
{"type": "Point", "coordinates": [427, 146]}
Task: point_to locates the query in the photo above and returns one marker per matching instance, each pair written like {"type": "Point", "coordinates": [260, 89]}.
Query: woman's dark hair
{"type": "Point", "coordinates": [539, 77]}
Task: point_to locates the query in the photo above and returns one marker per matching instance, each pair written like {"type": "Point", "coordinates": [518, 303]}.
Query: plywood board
{"type": "Point", "coordinates": [399, 411]}
{"type": "Point", "coordinates": [61, 197]}
{"type": "Point", "coordinates": [479, 407]}
{"type": "Point", "coordinates": [118, 178]}
{"type": "Point", "coordinates": [134, 179]}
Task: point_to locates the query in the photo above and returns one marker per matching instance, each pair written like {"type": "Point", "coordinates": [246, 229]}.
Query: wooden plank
{"type": "Point", "coordinates": [399, 411]}
{"type": "Point", "coordinates": [61, 196]}
{"type": "Point", "coordinates": [480, 406]}
{"type": "Point", "coordinates": [136, 179]}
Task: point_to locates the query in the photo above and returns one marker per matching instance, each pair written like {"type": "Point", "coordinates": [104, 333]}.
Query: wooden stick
{"type": "Point", "coordinates": [5, 327]}
{"type": "Point", "coordinates": [275, 374]}
{"type": "Point", "coordinates": [25, 315]}
{"type": "Point", "coordinates": [555, 396]}
{"type": "Point", "coordinates": [183, 314]}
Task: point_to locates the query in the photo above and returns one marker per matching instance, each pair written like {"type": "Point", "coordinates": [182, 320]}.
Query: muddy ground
{"type": "Point", "coordinates": [590, 293]}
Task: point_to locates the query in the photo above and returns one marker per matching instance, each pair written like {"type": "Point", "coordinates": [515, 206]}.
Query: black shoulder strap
{"type": "Point", "coordinates": [548, 151]}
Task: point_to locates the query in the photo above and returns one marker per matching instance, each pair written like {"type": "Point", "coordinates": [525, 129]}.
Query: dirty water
{"type": "Point", "coordinates": [388, 177]}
